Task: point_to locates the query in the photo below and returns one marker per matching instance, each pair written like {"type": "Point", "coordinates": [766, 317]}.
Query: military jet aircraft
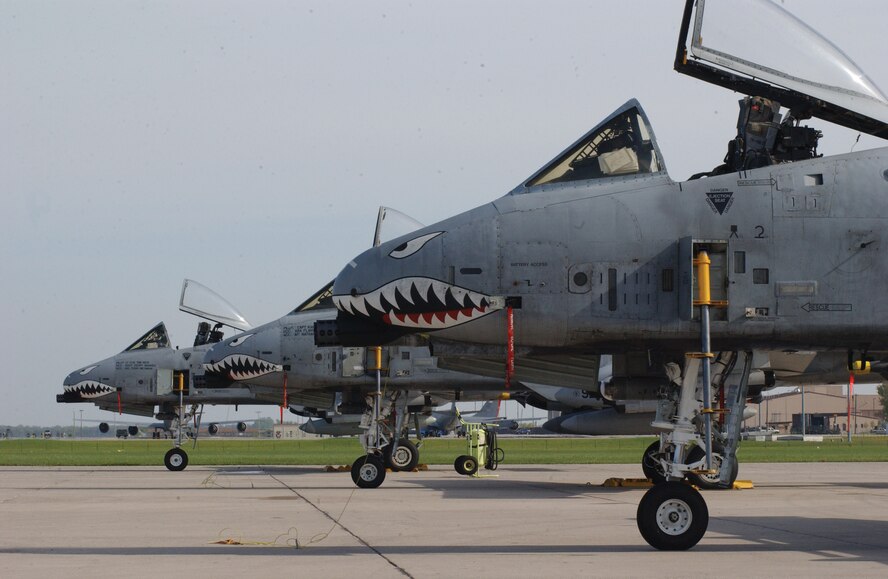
{"type": "Point", "coordinates": [151, 378]}
{"type": "Point", "coordinates": [331, 384]}
{"type": "Point", "coordinates": [601, 252]}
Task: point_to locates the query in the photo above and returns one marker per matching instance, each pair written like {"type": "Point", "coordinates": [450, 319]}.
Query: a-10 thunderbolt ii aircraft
{"type": "Point", "coordinates": [333, 383]}
{"type": "Point", "coordinates": [273, 364]}
{"type": "Point", "coordinates": [151, 378]}
{"type": "Point", "coordinates": [600, 252]}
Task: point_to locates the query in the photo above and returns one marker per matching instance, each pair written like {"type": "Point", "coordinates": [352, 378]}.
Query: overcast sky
{"type": "Point", "coordinates": [247, 145]}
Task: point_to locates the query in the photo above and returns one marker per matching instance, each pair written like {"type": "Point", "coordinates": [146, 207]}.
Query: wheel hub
{"type": "Point", "coordinates": [368, 472]}
{"type": "Point", "coordinates": [176, 460]}
{"type": "Point", "coordinates": [401, 456]}
{"type": "Point", "coordinates": [674, 517]}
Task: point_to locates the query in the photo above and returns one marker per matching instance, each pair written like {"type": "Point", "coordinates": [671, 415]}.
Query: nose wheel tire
{"type": "Point", "coordinates": [672, 516]}
{"type": "Point", "coordinates": [650, 464]}
{"type": "Point", "coordinates": [175, 459]}
{"type": "Point", "coordinates": [466, 465]}
{"type": "Point", "coordinates": [710, 481]}
{"type": "Point", "coordinates": [368, 472]}
{"type": "Point", "coordinates": [404, 458]}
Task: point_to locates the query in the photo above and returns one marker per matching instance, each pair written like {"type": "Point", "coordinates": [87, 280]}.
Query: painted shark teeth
{"type": "Point", "coordinates": [89, 389]}
{"type": "Point", "coordinates": [242, 367]}
{"type": "Point", "coordinates": [419, 302]}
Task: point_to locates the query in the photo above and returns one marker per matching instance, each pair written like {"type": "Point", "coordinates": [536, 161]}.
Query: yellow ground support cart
{"type": "Point", "coordinates": [482, 449]}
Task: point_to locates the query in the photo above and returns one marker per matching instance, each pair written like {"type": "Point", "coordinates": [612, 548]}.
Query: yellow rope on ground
{"type": "Point", "coordinates": [290, 540]}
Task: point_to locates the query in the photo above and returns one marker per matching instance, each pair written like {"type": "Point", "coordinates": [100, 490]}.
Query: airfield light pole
{"type": "Point", "coordinates": [804, 416]}
{"type": "Point", "coordinates": [81, 423]}
{"type": "Point", "coordinates": [850, 392]}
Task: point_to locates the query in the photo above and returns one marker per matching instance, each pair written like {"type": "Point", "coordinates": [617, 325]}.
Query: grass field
{"type": "Point", "coordinates": [339, 451]}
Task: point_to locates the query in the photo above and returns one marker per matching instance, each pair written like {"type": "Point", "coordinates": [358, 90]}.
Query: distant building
{"type": "Point", "coordinates": [826, 409]}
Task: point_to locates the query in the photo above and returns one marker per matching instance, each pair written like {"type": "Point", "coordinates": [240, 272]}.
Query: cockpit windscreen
{"type": "Point", "coordinates": [622, 145]}
{"type": "Point", "coordinates": [154, 338]}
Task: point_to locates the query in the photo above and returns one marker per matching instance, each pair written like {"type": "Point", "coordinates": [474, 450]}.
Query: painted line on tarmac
{"type": "Point", "coordinates": [336, 522]}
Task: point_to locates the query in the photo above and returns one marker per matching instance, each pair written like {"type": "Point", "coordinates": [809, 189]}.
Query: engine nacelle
{"type": "Point", "coordinates": [104, 428]}
{"type": "Point", "coordinates": [241, 426]}
{"type": "Point", "coordinates": [213, 429]}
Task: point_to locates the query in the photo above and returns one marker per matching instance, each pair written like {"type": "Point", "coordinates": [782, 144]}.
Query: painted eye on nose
{"type": "Point", "coordinates": [239, 340]}
{"type": "Point", "coordinates": [408, 248]}
{"type": "Point", "coordinates": [88, 369]}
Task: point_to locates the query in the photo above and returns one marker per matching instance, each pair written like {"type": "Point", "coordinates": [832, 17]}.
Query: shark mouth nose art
{"type": "Point", "coordinates": [242, 367]}
{"type": "Point", "coordinates": [89, 389]}
{"type": "Point", "coordinates": [419, 302]}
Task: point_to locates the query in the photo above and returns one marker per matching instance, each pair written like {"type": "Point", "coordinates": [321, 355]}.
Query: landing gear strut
{"type": "Point", "coordinates": [176, 458]}
{"type": "Point", "coordinates": [384, 439]}
{"type": "Point", "coordinates": [672, 515]}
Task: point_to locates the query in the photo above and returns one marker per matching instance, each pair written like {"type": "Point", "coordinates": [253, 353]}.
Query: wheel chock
{"type": "Point", "coordinates": [740, 485]}
{"type": "Point", "coordinates": [343, 468]}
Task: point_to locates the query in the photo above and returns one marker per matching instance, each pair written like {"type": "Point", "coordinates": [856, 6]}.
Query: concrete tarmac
{"type": "Point", "coordinates": [800, 520]}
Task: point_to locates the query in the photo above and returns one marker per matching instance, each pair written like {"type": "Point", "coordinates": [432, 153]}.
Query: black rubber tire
{"type": "Point", "coordinates": [404, 459]}
{"type": "Point", "coordinates": [368, 472]}
{"type": "Point", "coordinates": [650, 466]}
{"type": "Point", "coordinates": [465, 465]}
{"type": "Point", "coordinates": [672, 516]}
{"type": "Point", "coordinates": [707, 482]}
{"type": "Point", "coordinates": [175, 459]}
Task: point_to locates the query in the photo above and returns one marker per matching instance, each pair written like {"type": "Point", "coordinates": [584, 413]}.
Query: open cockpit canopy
{"type": "Point", "coordinates": [201, 301]}
{"type": "Point", "coordinates": [622, 145]}
{"type": "Point", "coordinates": [757, 48]}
